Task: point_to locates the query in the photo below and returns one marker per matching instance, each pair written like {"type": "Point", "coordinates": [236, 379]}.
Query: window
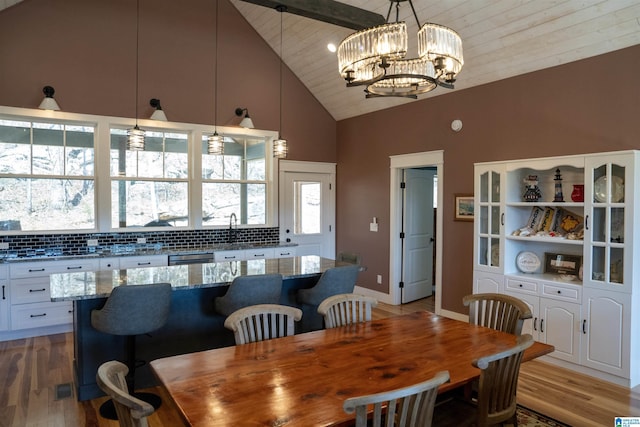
{"type": "Point", "coordinates": [46, 176]}
{"type": "Point", "coordinates": [150, 187]}
{"type": "Point", "coordinates": [235, 182]}
{"type": "Point", "coordinates": [72, 172]}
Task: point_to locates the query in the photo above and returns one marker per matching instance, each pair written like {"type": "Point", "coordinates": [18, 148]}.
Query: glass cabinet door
{"type": "Point", "coordinates": [488, 218]}
{"type": "Point", "coordinates": [608, 186]}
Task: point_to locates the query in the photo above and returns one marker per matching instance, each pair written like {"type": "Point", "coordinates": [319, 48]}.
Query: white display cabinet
{"type": "Point", "coordinates": [584, 291]}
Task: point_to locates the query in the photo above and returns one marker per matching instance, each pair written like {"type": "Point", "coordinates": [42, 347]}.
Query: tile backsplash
{"type": "Point", "coordinates": [76, 243]}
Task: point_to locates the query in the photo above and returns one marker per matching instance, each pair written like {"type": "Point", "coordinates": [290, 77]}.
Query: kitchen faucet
{"type": "Point", "coordinates": [233, 229]}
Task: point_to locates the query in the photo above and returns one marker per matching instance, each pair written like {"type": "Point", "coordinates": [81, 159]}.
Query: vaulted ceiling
{"type": "Point", "coordinates": [501, 39]}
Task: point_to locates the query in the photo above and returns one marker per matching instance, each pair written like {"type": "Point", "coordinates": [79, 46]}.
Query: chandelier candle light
{"type": "Point", "coordinates": [375, 58]}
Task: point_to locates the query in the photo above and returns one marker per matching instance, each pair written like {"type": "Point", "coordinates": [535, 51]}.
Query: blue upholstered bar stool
{"type": "Point", "coordinates": [334, 281]}
{"type": "Point", "coordinates": [249, 290]}
{"type": "Point", "coordinates": [130, 311]}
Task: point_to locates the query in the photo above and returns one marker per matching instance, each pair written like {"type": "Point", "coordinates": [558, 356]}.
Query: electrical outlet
{"type": "Point", "coordinates": [142, 240]}
{"type": "Point", "coordinates": [379, 279]}
{"type": "Point", "coordinates": [4, 245]}
{"type": "Point", "coordinates": [92, 242]}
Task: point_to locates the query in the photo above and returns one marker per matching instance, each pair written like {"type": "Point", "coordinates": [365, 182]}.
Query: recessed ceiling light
{"type": "Point", "coordinates": [331, 47]}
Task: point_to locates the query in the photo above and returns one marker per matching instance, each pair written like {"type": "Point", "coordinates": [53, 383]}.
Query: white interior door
{"type": "Point", "coordinates": [307, 209]}
{"type": "Point", "coordinates": [418, 234]}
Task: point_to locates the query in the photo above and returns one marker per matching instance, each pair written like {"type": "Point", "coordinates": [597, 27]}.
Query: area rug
{"type": "Point", "coordinates": [530, 418]}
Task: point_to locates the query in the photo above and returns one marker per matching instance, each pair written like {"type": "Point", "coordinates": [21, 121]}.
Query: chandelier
{"type": "Point", "coordinates": [375, 58]}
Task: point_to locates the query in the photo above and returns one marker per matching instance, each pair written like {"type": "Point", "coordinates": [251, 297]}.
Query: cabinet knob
{"type": "Point", "coordinates": [559, 292]}
{"type": "Point", "coordinates": [520, 285]}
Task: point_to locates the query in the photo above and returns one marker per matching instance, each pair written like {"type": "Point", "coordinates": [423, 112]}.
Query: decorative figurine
{"type": "Point", "coordinates": [532, 193]}
{"type": "Point", "coordinates": [558, 192]}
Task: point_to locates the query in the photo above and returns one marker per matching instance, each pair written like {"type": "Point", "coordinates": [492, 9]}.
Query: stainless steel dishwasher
{"type": "Point", "coordinates": [195, 258]}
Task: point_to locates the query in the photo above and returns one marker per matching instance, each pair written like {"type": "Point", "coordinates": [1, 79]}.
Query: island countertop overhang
{"type": "Point", "coordinates": [99, 284]}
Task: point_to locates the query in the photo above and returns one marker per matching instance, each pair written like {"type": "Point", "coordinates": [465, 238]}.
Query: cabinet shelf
{"type": "Point", "coordinates": [539, 239]}
{"type": "Point", "coordinates": [545, 204]}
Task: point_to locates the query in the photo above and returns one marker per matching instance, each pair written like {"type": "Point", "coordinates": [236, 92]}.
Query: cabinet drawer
{"type": "Point", "coordinates": [522, 286]}
{"type": "Point", "coordinates": [4, 272]}
{"type": "Point", "coordinates": [30, 290]}
{"type": "Point", "coordinates": [41, 314]}
{"type": "Point", "coordinates": [284, 252]}
{"type": "Point", "coordinates": [563, 293]}
{"type": "Point", "coordinates": [144, 261]}
{"type": "Point", "coordinates": [43, 269]}
{"type": "Point", "coordinates": [262, 253]}
{"type": "Point", "coordinates": [229, 256]}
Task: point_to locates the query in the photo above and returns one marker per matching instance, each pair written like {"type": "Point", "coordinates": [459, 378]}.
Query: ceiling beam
{"type": "Point", "coordinates": [329, 11]}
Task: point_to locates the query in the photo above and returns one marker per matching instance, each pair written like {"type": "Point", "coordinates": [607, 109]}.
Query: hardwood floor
{"type": "Point", "coordinates": [31, 369]}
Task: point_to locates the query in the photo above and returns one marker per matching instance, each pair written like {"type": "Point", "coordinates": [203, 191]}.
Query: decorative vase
{"type": "Point", "coordinates": [577, 195]}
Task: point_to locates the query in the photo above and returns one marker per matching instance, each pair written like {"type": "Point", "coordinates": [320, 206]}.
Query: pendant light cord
{"type": "Point", "coordinates": [137, 50]}
{"type": "Point", "coordinates": [281, 9]}
{"type": "Point", "coordinates": [215, 79]}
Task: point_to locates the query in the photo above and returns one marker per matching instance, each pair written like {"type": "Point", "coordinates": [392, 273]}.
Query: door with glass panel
{"type": "Point", "coordinates": [609, 197]}
{"type": "Point", "coordinates": [488, 209]}
{"type": "Point", "coordinates": [307, 214]}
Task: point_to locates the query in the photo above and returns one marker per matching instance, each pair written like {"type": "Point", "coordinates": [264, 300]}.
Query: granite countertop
{"type": "Point", "coordinates": [90, 285]}
{"type": "Point", "coordinates": [143, 249]}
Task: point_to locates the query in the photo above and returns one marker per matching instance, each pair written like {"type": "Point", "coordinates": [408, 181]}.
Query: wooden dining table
{"type": "Point", "coordinates": [303, 380]}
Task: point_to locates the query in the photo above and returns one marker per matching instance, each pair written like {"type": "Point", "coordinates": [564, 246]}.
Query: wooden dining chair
{"type": "Point", "coordinates": [131, 411]}
{"type": "Point", "coordinates": [404, 407]}
{"type": "Point", "coordinates": [497, 311]}
{"type": "Point", "coordinates": [345, 309]}
{"type": "Point", "coordinates": [497, 386]}
{"type": "Point", "coordinates": [262, 322]}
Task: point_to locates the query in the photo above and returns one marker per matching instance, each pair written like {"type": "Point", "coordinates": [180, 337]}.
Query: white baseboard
{"type": "Point", "coordinates": [380, 296]}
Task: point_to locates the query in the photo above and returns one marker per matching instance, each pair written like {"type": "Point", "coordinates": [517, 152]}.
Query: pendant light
{"type": "Point", "coordinates": [135, 135]}
{"type": "Point", "coordinates": [280, 148]}
{"type": "Point", "coordinates": [215, 143]}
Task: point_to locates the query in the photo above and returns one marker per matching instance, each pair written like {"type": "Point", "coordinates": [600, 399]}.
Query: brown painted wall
{"type": "Point", "coordinates": [86, 50]}
{"type": "Point", "coordinates": [587, 106]}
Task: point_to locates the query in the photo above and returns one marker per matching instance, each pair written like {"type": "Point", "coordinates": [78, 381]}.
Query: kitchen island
{"type": "Point", "coordinates": [193, 324]}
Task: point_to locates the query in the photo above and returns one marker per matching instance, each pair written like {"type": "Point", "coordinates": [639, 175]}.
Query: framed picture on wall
{"type": "Point", "coordinates": [463, 207]}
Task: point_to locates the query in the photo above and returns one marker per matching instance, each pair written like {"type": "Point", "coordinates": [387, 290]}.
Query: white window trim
{"type": "Point", "coordinates": [103, 124]}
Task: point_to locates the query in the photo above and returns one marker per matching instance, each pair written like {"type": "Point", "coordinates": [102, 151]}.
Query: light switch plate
{"type": "Point", "coordinates": [373, 226]}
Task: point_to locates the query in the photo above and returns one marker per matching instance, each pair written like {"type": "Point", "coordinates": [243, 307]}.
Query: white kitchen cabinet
{"type": "Point", "coordinates": [555, 310]}
{"type": "Point", "coordinates": [39, 315]}
{"type": "Point", "coordinates": [606, 327]}
{"type": "Point", "coordinates": [484, 282]}
{"type": "Point", "coordinates": [588, 315]}
{"type": "Point", "coordinates": [558, 326]}
{"type": "Point", "coordinates": [31, 305]}
{"type": "Point", "coordinates": [5, 305]}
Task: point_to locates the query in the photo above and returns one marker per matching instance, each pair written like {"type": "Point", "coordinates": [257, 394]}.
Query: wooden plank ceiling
{"type": "Point", "coordinates": [501, 39]}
